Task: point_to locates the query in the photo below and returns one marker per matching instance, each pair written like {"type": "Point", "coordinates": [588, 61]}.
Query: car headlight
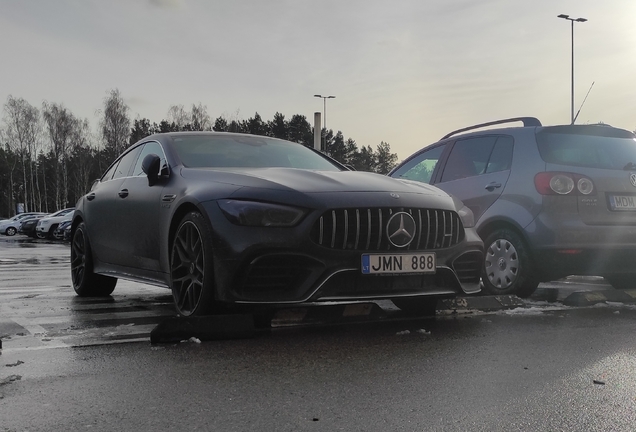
{"type": "Point", "coordinates": [465, 214]}
{"type": "Point", "coordinates": [253, 213]}
{"type": "Point", "coordinates": [467, 217]}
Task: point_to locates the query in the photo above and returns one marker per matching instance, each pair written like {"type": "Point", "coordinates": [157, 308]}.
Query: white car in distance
{"type": "Point", "coordinates": [46, 226]}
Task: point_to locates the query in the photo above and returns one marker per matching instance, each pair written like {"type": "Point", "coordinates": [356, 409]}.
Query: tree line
{"type": "Point", "coordinates": [49, 157]}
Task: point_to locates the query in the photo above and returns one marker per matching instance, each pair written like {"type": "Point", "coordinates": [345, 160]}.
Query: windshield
{"type": "Point", "coordinates": [587, 150]}
{"type": "Point", "coordinates": [232, 151]}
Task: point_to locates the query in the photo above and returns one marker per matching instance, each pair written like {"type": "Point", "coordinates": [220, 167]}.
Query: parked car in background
{"type": "Point", "coordinates": [27, 226]}
{"type": "Point", "coordinates": [10, 226]}
{"type": "Point", "coordinates": [549, 201]}
{"type": "Point", "coordinates": [63, 231]}
{"type": "Point", "coordinates": [46, 226]}
{"type": "Point", "coordinates": [231, 219]}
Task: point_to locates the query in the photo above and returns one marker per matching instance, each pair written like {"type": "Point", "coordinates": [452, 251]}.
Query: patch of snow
{"type": "Point", "coordinates": [423, 331]}
{"type": "Point", "coordinates": [402, 333]}
{"type": "Point", "coordinates": [525, 311]}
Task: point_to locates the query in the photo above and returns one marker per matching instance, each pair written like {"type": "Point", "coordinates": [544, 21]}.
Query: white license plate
{"type": "Point", "coordinates": [398, 263]}
{"type": "Point", "coordinates": [623, 202]}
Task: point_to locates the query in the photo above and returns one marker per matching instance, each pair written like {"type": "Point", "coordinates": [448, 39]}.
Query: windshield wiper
{"type": "Point", "coordinates": [629, 166]}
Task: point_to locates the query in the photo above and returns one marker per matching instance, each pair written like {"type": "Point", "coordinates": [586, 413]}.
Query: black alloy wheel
{"type": "Point", "coordinates": [191, 269]}
{"type": "Point", "coordinates": [86, 283]}
{"type": "Point", "coordinates": [508, 267]}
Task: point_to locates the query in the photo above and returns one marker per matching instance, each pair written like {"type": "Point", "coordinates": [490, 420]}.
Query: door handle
{"type": "Point", "coordinates": [492, 186]}
{"type": "Point", "coordinates": [123, 193]}
{"type": "Point", "coordinates": [90, 196]}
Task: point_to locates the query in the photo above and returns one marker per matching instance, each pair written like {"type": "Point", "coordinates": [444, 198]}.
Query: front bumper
{"type": "Point", "coordinates": [260, 265]}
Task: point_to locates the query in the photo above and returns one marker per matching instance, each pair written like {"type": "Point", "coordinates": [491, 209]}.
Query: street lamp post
{"type": "Point", "coordinates": [324, 114]}
{"type": "Point", "coordinates": [324, 108]}
{"type": "Point", "coordinates": [572, 20]}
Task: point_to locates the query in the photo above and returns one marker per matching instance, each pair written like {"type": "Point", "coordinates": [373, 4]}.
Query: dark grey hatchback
{"type": "Point", "coordinates": [549, 201]}
{"type": "Point", "coordinates": [227, 219]}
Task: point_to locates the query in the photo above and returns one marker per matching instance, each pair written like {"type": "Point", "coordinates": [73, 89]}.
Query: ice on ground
{"type": "Point", "coordinates": [192, 339]}
{"type": "Point", "coordinates": [528, 311]}
{"type": "Point", "coordinates": [615, 305]}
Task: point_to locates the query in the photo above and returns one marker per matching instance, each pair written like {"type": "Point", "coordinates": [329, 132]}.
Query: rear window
{"type": "Point", "coordinates": [588, 146]}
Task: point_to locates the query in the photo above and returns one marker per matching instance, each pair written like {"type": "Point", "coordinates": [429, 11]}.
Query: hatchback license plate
{"type": "Point", "coordinates": [623, 202]}
{"type": "Point", "coordinates": [398, 263]}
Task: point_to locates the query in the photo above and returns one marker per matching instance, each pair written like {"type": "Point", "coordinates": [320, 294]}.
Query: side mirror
{"type": "Point", "coordinates": [150, 165]}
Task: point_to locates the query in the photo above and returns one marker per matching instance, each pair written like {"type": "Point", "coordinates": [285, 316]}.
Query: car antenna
{"type": "Point", "coordinates": [588, 93]}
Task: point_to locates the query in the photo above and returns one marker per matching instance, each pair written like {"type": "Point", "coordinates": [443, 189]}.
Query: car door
{"type": "Point", "coordinates": [141, 206]}
{"type": "Point", "coordinates": [476, 170]}
{"type": "Point", "coordinates": [104, 212]}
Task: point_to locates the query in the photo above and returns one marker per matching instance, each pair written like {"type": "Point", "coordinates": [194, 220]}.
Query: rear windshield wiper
{"type": "Point", "coordinates": [630, 166]}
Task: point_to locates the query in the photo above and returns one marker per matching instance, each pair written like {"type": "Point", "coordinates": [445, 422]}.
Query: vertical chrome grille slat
{"type": "Point", "coordinates": [428, 229]}
{"type": "Point", "coordinates": [379, 229]}
{"type": "Point", "coordinates": [457, 230]}
{"type": "Point", "coordinates": [368, 229]}
{"type": "Point", "coordinates": [436, 229]}
{"type": "Point", "coordinates": [333, 231]}
{"type": "Point", "coordinates": [444, 232]}
{"type": "Point", "coordinates": [346, 229]}
{"type": "Point", "coordinates": [355, 246]}
{"type": "Point", "coordinates": [419, 237]}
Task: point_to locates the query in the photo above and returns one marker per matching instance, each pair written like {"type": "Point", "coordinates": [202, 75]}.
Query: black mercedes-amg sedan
{"type": "Point", "coordinates": [231, 219]}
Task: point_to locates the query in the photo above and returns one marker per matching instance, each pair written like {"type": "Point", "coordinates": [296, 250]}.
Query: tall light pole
{"type": "Point", "coordinates": [324, 108]}
{"type": "Point", "coordinates": [572, 20]}
{"type": "Point", "coordinates": [324, 114]}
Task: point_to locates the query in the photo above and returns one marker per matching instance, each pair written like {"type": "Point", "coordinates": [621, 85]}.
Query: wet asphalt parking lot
{"type": "Point", "coordinates": [561, 360]}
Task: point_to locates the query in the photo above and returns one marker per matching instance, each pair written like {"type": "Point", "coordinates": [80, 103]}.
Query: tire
{"type": "Point", "coordinates": [49, 235]}
{"type": "Point", "coordinates": [86, 283]}
{"type": "Point", "coordinates": [622, 281]}
{"type": "Point", "coordinates": [40, 235]}
{"type": "Point", "coordinates": [508, 267]}
{"type": "Point", "coordinates": [420, 306]}
{"type": "Point", "coordinates": [11, 231]}
{"type": "Point", "coordinates": [191, 267]}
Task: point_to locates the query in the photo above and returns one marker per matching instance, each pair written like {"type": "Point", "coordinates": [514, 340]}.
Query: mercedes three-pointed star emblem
{"type": "Point", "coordinates": [400, 229]}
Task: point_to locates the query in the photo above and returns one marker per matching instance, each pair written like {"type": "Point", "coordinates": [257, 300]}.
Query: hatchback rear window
{"type": "Point", "coordinates": [592, 146]}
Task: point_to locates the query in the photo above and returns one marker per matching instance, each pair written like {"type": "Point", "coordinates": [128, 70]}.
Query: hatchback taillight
{"type": "Point", "coordinates": [562, 183]}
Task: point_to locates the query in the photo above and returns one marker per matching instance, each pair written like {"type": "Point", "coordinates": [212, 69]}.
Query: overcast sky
{"type": "Point", "coordinates": [403, 71]}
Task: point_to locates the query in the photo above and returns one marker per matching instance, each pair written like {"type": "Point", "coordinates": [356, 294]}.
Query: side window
{"type": "Point", "coordinates": [421, 167]}
{"type": "Point", "coordinates": [468, 158]}
{"type": "Point", "coordinates": [148, 148]}
{"type": "Point", "coordinates": [125, 164]}
{"type": "Point", "coordinates": [501, 157]}
{"type": "Point", "coordinates": [109, 174]}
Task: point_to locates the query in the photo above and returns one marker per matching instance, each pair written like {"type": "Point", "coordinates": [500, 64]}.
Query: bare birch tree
{"type": "Point", "coordinates": [115, 124]}
{"type": "Point", "coordinates": [82, 155]}
{"type": "Point", "coordinates": [23, 129]}
{"type": "Point", "coordinates": [200, 119]}
{"type": "Point", "coordinates": [179, 116]}
{"type": "Point", "coordinates": [59, 124]}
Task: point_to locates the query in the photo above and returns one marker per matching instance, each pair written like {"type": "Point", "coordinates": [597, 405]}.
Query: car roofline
{"type": "Point", "coordinates": [527, 122]}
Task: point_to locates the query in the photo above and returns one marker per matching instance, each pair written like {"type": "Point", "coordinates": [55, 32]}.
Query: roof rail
{"type": "Point", "coordinates": [527, 122]}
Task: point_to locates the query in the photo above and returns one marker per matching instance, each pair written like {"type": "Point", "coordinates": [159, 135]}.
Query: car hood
{"type": "Point", "coordinates": [308, 181]}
